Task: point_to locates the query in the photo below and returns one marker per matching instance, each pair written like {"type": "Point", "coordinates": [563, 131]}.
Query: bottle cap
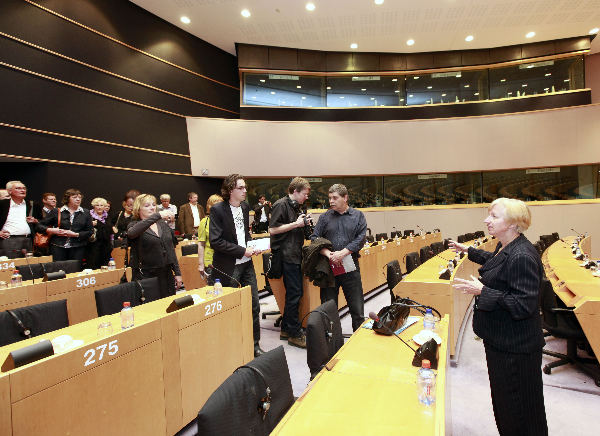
{"type": "Point", "coordinates": [126, 304]}
{"type": "Point", "coordinates": [428, 310]}
{"type": "Point", "coordinates": [425, 364]}
{"type": "Point", "coordinates": [217, 280]}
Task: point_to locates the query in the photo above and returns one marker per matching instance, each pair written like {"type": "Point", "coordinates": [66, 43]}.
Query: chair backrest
{"type": "Point", "coordinates": [189, 249]}
{"type": "Point", "coordinates": [393, 274]}
{"type": "Point", "coordinates": [559, 324]}
{"type": "Point", "coordinates": [446, 243]}
{"type": "Point", "coordinates": [425, 253]}
{"type": "Point", "coordinates": [323, 336]}
{"type": "Point", "coordinates": [370, 239]}
{"type": "Point", "coordinates": [232, 409]}
{"type": "Point", "coordinates": [556, 237]}
{"type": "Point", "coordinates": [380, 236]}
{"type": "Point", "coordinates": [38, 319]}
{"type": "Point", "coordinates": [408, 232]}
{"type": "Point", "coordinates": [437, 247]}
{"type": "Point", "coordinates": [539, 246]}
{"type": "Point", "coordinates": [470, 236]}
{"type": "Point", "coordinates": [412, 261]}
{"type": "Point", "coordinates": [461, 239]}
{"type": "Point", "coordinates": [40, 269]}
{"type": "Point", "coordinates": [479, 234]}
{"type": "Point", "coordinates": [110, 300]}
{"type": "Point", "coordinates": [548, 240]}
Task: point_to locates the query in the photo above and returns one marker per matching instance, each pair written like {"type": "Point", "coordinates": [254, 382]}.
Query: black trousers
{"type": "Point", "coordinates": [262, 227]}
{"type": "Point", "coordinates": [61, 253]}
{"type": "Point", "coordinates": [166, 279]}
{"type": "Point", "coordinates": [292, 280]}
{"type": "Point", "coordinates": [244, 273]}
{"type": "Point", "coordinates": [12, 247]}
{"type": "Point", "coordinates": [517, 392]}
{"type": "Point", "coordinates": [351, 284]}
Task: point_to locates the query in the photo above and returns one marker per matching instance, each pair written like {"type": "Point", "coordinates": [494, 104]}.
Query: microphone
{"type": "Point", "coordinates": [225, 274]}
{"type": "Point", "coordinates": [578, 234]}
{"type": "Point", "coordinates": [24, 251]}
{"type": "Point", "coordinates": [375, 318]}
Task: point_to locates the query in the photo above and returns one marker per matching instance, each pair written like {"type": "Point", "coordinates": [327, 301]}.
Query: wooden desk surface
{"type": "Point", "coordinates": [370, 389]}
{"type": "Point", "coordinates": [8, 266]}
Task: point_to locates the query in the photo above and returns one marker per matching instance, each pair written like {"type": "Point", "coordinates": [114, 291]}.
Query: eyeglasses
{"type": "Point", "coordinates": [241, 188]}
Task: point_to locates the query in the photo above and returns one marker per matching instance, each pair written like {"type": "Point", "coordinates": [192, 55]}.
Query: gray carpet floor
{"type": "Point", "coordinates": [572, 399]}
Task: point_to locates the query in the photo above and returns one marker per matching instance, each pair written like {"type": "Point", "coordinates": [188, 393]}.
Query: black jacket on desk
{"type": "Point", "coordinates": [223, 238]}
{"type": "Point", "coordinates": [82, 224]}
{"type": "Point", "coordinates": [507, 313]}
{"type": "Point", "coordinates": [149, 250]}
{"type": "Point", "coordinates": [5, 207]}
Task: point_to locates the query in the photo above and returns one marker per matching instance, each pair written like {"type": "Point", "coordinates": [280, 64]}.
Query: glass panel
{"type": "Point", "coordinates": [284, 90]}
{"type": "Point", "coordinates": [447, 87]}
{"type": "Point", "coordinates": [537, 78]}
{"type": "Point", "coordinates": [359, 91]}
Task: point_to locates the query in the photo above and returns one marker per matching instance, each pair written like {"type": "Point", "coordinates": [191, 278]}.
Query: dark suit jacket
{"type": "Point", "coordinates": [223, 238]}
{"type": "Point", "coordinates": [185, 220]}
{"type": "Point", "coordinates": [507, 313]}
{"type": "Point", "coordinates": [257, 212]}
{"type": "Point", "coordinates": [5, 207]}
{"type": "Point", "coordinates": [150, 250]}
{"type": "Point", "coordinates": [82, 224]}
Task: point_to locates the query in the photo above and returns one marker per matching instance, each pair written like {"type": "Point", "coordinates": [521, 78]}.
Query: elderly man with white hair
{"type": "Point", "coordinates": [165, 204]}
{"type": "Point", "coordinates": [15, 222]}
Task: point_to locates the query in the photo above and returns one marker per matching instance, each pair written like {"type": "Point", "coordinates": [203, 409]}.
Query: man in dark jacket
{"type": "Point", "coordinates": [15, 222]}
{"type": "Point", "coordinates": [262, 215]}
{"type": "Point", "coordinates": [229, 235]}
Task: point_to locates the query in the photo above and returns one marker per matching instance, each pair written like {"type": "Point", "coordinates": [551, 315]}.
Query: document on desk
{"type": "Point", "coordinates": [260, 244]}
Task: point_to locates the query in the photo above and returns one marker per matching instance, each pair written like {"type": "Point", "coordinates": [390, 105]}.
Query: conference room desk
{"type": "Point", "coordinates": [151, 379]}
{"type": "Point", "coordinates": [372, 263]}
{"type": "Point", "coordinates": [369, 387]}
{"type": "Point", "coordinates": [575, 286]}
{"type": "Point", "coordinates": [8, 266]}
{"type": "Point", "coordinates": [77, 289]}
{"type": "Point", "coordinates": [424, 285]}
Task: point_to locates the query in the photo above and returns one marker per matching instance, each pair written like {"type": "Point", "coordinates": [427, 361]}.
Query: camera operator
{"type": "Point", "coordinates": [262, 212]}
{"type": "Point", "coordinates": [287, 238]}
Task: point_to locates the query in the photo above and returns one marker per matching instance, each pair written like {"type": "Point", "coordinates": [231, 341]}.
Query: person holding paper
{"type": "Point", "coordinates": [287, 239]}
{"type": "Point", "coordinates": [229, 235]}
{"type": "Point", "coordinates": [346, 228]}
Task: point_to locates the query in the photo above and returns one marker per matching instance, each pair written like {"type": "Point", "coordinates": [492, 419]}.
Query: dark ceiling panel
{"type": "Point", "coordinates": [253, 56]}
{"type": "Point", "coordinates": [340, 61]}
{"type": "Point", "coordinates": [366, 62]}
{"type": "Point", "coordinates": [312, 60]}
{"type": "Point", "coordinates": [283, 58]}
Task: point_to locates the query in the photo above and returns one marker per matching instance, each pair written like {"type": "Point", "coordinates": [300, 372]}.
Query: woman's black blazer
{"type": "Point", "coordinates": [507, 314]}
{"type": "Point", "coordinates": [82, 224]}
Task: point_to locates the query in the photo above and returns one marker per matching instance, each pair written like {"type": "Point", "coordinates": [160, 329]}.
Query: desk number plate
{"type": "Point", "coordinates": [86, 281]}
{"type": "Point", "coordinates": [214, 307]}
{"type": "Point", "coordinates": [94, 355]}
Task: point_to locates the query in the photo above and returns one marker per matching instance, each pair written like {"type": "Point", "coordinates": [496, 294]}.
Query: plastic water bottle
{"type": "Point", "coordinates": [426, 384]}
{"type": "Point", "coordinates": [16, 279]}
{"type": "Point", "coordinates": [428, 320]}
{"type": "Point", "coordinates": [111, 264]}
{"type": "Point", "coordinates": [126, 316]}
{"type": "Point", "coordinates": [217, 288]}
{"type": "Point", "coordinates": [451, 266]}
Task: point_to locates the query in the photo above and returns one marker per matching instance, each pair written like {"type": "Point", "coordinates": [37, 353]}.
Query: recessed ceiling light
{"type": "Point", "coordinates": [530, 35]}
{"type": "Point", "coordinates": [510, 93]}
{"type": "Point", "coordinates": [476, 93]}
{"type": "Point", "coordinates": [529, 66]}
{"type": "Point", "coordinates": [459, 75]}
{"type": "Point", "coordinates": [329, 87]}
{"type": "Point", "coordinates": [397, 91]}
{"type": "Point", "coordinates": [254, 97]}
{"type": "Point", "coordinates": [566, 80]}
{"type": "Point", "coordinates": [372, 98]}
{"type": "Point", "coordinates": [467, 85]}
{"type": "Point", "coordinates": [546, 89]}
{"type": "Point", "coordinates": [594, 31]}
{"type": "Point", "coordinates": [303, 98]}
{"type": "Point", "coordinates": [245, 13]}
{"type": "Point", "coordinates": [394, 80]}
{"type": "Point", "coordinates": [185, 20]}
{"type": "Point", "coordinates": [548, 74]}
{"type": "Point", "coordinates": [503, 80]}
{"type": "Point", "coordinates": [410, 96]}
{"type": "Point", "coordinates": [524, 85]}
{"type": "Point", "coordinates": [342, 96]}
{"type": "Point", "coordinates": [363, 89]}
{"type": "Point", "coordinates": [469, 38]}
{"type": "Point", "coordinates": [416, 77]}
{"type": "Point", "coordinates": [298, 86]}
{"type": "Point", "coordinates": [410, 42]}
{"type": "Point", "coordinates": [262, 80]}
{"type": "Point", "coordinates": [403, 100]}
{"type": "Point", "coordinates": [272, 92]}
{"type": "Point", "coordinates": [310, 7]}
{"type": "Point", "coordinates": [353, 45]}
{"type": "Point", "coordinates": [379, 2]}
{"type": "Point", "coordinates": [429, 87]}
{"type": "Point", "coordinates": [443, 95]}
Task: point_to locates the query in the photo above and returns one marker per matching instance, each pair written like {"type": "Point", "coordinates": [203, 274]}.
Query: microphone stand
{"type": "Point", "coordinates": [375, 319]}
{"type": "Point", "coordinates": [225, 274]}
{"type": "Point", "coordinates": [24, 251]}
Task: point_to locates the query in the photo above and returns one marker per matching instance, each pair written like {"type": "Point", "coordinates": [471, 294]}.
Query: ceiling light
{"type": "Point", "coordinates": [396, 91]}
{"type": "Point", "coordinates": [310, 7]}
{"type": "Point", "coordinates": [459, 75]}
{"type": "Point", "coordinates": [443, 95]}
{"type": "Point", "coordinates": [329, 87]}
{"type": "Point", "coordinates": [245, 13]}
{"type": "Point", "coordinates": [253, 97]}
{"type": "Point", "coordinates": [353, 45]}
{"type": "Point", "coordinates": [410, 96]}
{"type": "Point", "coordinates": [524, 85]}
{"type": "Point", "coordinates": [298, 86]}
{"type": "Point", "coordinates": [503, 80]}
{"type": "Point", "coordinates": [476, 93]}
{"type": "Point", "coordinates": [530, 35]}
{"type": "Point", "coordinates": [469, 38]}
{"type": "Point", "coordinates": [410, 42]}
{"type": "Point", "coordinates": [429, 87]}
{"type": "Point", "coordinates": [546, 89]}
{"type": "Point", "coordinates": [529, 66]}
{"type": "Point", "coordinates": [403, 100]}
{"type": "Point", "coordinates": [548, 74]}
{"type": "Point", "coordinates": [303, 98]}
{"type": "Point", "coordinates": [272, 92]}
{"type": "Point", "coordinates": [394, 80]}
{"type": "Point", "coordinates": [594, 31]}
{"type": "Point", "coordinates": [342, 96]}
{"type": "Point", "coordinates": [363, 89]}
{"type": "Point", "coordinates": [510, 93]}
{"type": "Point", "coordinates": [416, 77]}
{"type": "Point", "coordinates": [372, 98]}
{"type": "Point", "coordinates": [566, 80]}
{"type": "Point", "coordinates": [185, 20]}
{"type": "Point", "coordinates": [466, 86]}
{"type": "Point", "coordinates": [262, 80]}
{"type": "Point", "coordinates": [379, 2]}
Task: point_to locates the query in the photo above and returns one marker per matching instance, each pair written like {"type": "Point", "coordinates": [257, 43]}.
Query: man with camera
{"type": "Point", "coordinates": [287, 238]}
{"type": "Point", "coordinates": [262, 212]}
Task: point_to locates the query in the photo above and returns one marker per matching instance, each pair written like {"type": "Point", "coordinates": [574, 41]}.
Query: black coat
{"type": "Point", "coordinates": [82, 224]}
{"type": "Point", "coordinates": [5, 207]}
{"type": "Point", "coordinates": [223, 238]}
{"type": "Point", "coordinates": [316, 266]}
{"type": "Point", "coordinates": [98, 252]}
{"type": "Point", "coordinates": [507, 313]}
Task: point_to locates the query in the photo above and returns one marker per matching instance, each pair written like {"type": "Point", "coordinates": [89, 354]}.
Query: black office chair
{"type": "Point", "coordinates": [41, 269]}
{"type": "Point", "coordinates": [446, 243]}
{"type": "Point", "coordinates": [470, 236]}
{"type": "Point", "coordinates": [425, 253]}
{"type": "Point", "coordinates": [251, 401]}
{"type": "Point", "coordinates": [393, 275]}
{"type": "Point", "coordinates": [412, 261]}
{"type": "Point", "coordinates": [380, 236]}
{"type": "Point", "coordinates": [370, 239]}
{"type": "Point", "coordinates": [437, 247]}
{"type": "Point", "coordinates": [323, 336]}
{"type": "Point", "coordinates": [408, 232]}
{"type": "Point", "coordinates": [556, 237]}
{"type": "Point", "coordinates": [548, 240]}
{"type": "Point", "coordinates": [539, 246]}
{"type": "Point", "coordinates": [461, 239]}
{"type": "Point", "coordinates": [561, 322]}
{"type": "Point", "coordinates": [110, 300]}
{"type": "Point", "coordinates": [479, 234]}
{"type": "Point", "coordinates": [186, 250]}
{"type": "Point", "coordinates": [32, 321]}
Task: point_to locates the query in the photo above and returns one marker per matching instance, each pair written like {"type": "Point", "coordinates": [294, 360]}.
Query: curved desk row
{"type": "Point", "coordinates": [575, 285]}
{"type": "Point", "coordinates": [8, 266]}
{"type": "Point", "coordinates": [151, 379]}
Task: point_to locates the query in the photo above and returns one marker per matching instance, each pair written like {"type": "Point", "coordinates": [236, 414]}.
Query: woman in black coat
{"type": "Point", "coordinates": [69, 240]}
{"type": "Point", "coordinates": [153, 245]}
{"type": "Point", "coordinates": [507, 318]}
{"type": "Point", "coordinates": [98, 251]}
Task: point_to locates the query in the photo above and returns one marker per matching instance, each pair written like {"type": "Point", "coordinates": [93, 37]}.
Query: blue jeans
{"type": "Point", "coordinates": [292, 279]}
{"type": "Point", "coordinates": [351, 284]}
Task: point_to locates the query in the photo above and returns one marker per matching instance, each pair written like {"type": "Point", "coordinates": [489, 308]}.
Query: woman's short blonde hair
{"type": "Point", "coordinates": [99, 201]}
{"type": "Point", "coordinates": [516, 212]}
{"type": "Point", "coordinates": [212, 200]}
{"type": "Point", "coordinates": [139, 202]}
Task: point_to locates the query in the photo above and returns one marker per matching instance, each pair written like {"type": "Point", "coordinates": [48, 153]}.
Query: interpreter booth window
{"type": "Point", "coordinates": [544, 77]}
{"type": "Point", "coordinates": [426, 189]}
{"type": "Point", "coordinates": [361, 91]}
{"type": "Point", "coordinates": [542, 184]}
{"type": "Point", "coordinates": [283, 90]}
{"type": "Point", "coordinates": [447, 87]}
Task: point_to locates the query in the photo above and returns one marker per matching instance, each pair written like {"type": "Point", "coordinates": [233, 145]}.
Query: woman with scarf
{"type": "Point", "coordinates": [99, 247]}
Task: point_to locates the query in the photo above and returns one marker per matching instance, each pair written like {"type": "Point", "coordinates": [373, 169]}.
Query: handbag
{"type": "Point", "coordinates": [42, 240]}
{"type": "Point", "coordinates": [93, 237]}
{"type": "Point", "coordinates": [275, 267]}
{"type": "Point", "coordinates": [391, 318]}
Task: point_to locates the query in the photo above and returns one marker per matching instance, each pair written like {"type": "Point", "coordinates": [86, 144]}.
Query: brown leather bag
{"type": "Point", "coordinates": [42, 240]}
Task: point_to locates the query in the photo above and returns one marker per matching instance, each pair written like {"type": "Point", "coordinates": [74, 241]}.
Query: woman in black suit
{"type": "Point", "coordinates": [507, 318]}
{"type": "Point", "coordinates": [98, 251]}
{"type": "Point", "coordinates": [68, 240]}
{"type": "Point", "coordinates": [153, 245]}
